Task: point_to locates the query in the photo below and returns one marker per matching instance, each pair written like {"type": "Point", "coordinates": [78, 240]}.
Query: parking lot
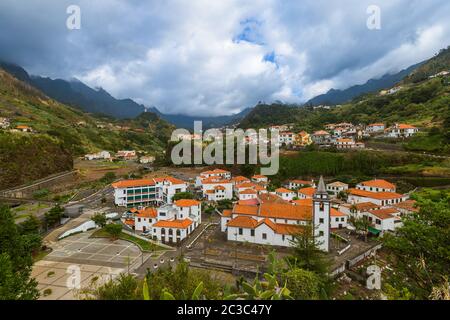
{"type": "Point", "coordinates": [96, 258]}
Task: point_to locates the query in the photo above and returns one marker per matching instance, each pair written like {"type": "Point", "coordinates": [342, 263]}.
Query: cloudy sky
{"type": "Point", "coordinates": [215, 57]}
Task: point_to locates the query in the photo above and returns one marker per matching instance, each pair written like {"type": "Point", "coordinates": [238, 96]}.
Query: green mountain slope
{"type": "Point", "coordinates": [62, 132]}
{"type": "Point", "coordinates": [441, 62]}
{"type": "Point", "coordinates": [78, 132]}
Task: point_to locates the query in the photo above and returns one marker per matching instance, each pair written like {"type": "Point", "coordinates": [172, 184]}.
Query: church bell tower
{"type": "Point", "coordinates": [321, 217]}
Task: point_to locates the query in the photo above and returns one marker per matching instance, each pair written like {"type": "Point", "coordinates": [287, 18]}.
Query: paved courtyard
{"type": "Point", "coordinates": [95, 258]}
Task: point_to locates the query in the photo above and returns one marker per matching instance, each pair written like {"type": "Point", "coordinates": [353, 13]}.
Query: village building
{"type": "Point", "coordinates": [102, 155]}
{"type": "Point", "coordinates": [216, 173]}
{"type": "Point", "coordinates": [336, 187]}
{"type": "Point", "coordinates": [295, 184]}
{"type": "Point", "coordinates": [375, 128]}
{"type": "Point", "coordinates": [377, 185]}
{"type": "Point", "coordinates": [286, 138]}
{"type": "Point", "coordinates": [24, 128]}
{"type": "Point", "coordinates": [146, 192]}
{"type": "Point", "coordinates": [338, 219]}
{"type": "Point", "coordinates": [302, 139]}
{"type": "Point", "coordinates": [384, 220]}
{"type": "Point", "coordinates": [306, 193]}
{"type": "Point", "coordinates": [126, 155]}
{"type": "Point", "coordinates": [321, 137]}
{"type": "Point", "coordinates": [248, 194]}
{"type": "Point", "coordinates": [217, 188]}
{"type": "Point", "coordinates": [146, 159]}
{"type": "Point", "coordinates": [170, 223]}
{"type": "Point", "coordinates": [379, 198]}
{"type": "Point", "coordinates": [401, 131]}
{"type": "Point", "coordinates": [260, 179]}
{"type": "Point", "coordinates": [4, 123]}
{"type": "Point", "coordinates": [285, 194]}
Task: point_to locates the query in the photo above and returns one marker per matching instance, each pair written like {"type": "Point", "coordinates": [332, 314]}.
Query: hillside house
{"type": "Point", "coordinates": [401, 131]}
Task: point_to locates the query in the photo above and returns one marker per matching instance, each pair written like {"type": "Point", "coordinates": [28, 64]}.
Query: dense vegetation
{"type": "Point", "coordinates": [17, 243]}
{"type": "Point", "coordinates": [433, 66]}
{"type": "Point", "coordinates": [24, 158]}
{"type": "Point", "coordinates": [78, 132]}
{"type": "Point", "coordinates": [420, 251]}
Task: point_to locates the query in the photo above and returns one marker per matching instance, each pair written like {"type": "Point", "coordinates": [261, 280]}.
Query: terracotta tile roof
{"type": "Point", "coordinates": [260, 188]}
{"type": "Point", "coordinates": [227, 213]}
{"type": "Point", "coordinates": [259, 177]}
{"type": "Point", "coordinates": [172, 180]}
{"type": "Point", "coordinates": [321, 133]}
{"type": "Point", "coordinates": [378, 183]}
{"type": "Point", "coordinates": [303, 202]}
{"type": "Point", "coordinates": [338, 184]}
{"type": "Point", "coordinates": [240, 179]}
{"type": "Point", "coordinates": [245, 209]}
{"type": "Point", "coordinates": [187, 203]}
{"type": "Point", "coordinates": [284, 190]}
{"type": "Point", "coordinates": [384, 213]}
{"type": "Point", "coordinates": [249, 202]}
{"type": "Point", "coordinates": [288, 229]}
{"type": "Point", "coordinates": [376, 125]}
{"type": "Point", "coordinates": [214, 180]}
{"type": "Point", "coordinates": [133, 183]}
{"type": "Point", "coordinates": [271, 198]}
{"type": "Point", "coordinates": [248, 191]}
{"type": "Point", "coordinates": [177, 224]}
{"type": "Point", "coordinates": [406, 126]}
{"type": "Point", "coordinates": [344, 140]}
{"type": "Point", "coordinates": [147, 213]}
{"type": "Point", "coordinates": [129, 222]}
{"type": "Point", "coordinates": [246, 185]}
{"type": "Point", "coordinates": [285, 211]}
{"type": "Point", "coordinates": [363, 206]}
{"type": "Point", "coordinates": [336, 213]}
{"type": "Point", "coordinates": [215, 171]}
{"type": "Point", "coordinates": [219, 187]}
{"type": "Point", "coordinates": [307, 191]}
{"type": "Point", "coordinates": [409, 205]}
{"type": "Point", "coordinates": [243, 222]}
{"type": "Point", "coordinates": [375, 195]}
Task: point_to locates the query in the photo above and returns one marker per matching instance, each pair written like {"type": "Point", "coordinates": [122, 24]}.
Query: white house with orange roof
{"type": "Point", "coordinates": [375, 128]}
{"type": "Point", "coordinates": [384, 220]}
{"type": "Point", "coordinates": [177, 221]}
{"type": "Point", "coordinates": [146, 192]}
{"type": "Point", "coordinates": [401, 130]}
{"type": "Point", "coordinates": [248, 194]}
{"type": "Point", "coordinates": [295, 184]}
{"type": "Point", "coordinates": [260, 179]}
{"type": "Point", "coordinates": [270, 220]}
{"type": "Point", "coordinates": [377, 185]}
{"type": "Point", "coordinates": [216, 174]}
{"type": "Point", "coordinates": [321, 137]}
{"type": "Point", "coordinates": [239, 179]}
{"type": "Point", "coordinates": [306, 193]}
{"type": "Point", "coordinates": [145, 218]}
{"type": "Point", "coordinates": [338, 219]}
{"type": "Point", "coordinates": [379, 198]}
{"type": "Point", "coordinates": [285, 194]}
{"type": "Point", "coordinates": [217, 188]}
{"type": "Point", "coordinates": [337, 187]}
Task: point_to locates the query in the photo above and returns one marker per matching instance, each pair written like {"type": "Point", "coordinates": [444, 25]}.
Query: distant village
{"type": "Point", "coordinates": [342, 136]}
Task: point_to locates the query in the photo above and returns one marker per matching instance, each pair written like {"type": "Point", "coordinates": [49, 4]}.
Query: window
{"type": "Point", "coordinates": [264, 236]}
{"type": "Point", "coordinates": [378, 221]}
{"type": "Point", "coordinates": [321, 233]}
{"type": "Point", "coordinates": [240, 231]}
{"type": "Point", "coordinates": [139, 219]}
{"type": "Point", "coordinates": [252, 233]}
{"type": "Point", "coordinates": [343, 219]}
{"type": "Point", "coordinates": [321, 220]}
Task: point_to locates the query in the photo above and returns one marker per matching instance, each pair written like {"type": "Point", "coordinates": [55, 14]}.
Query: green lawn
{"type": "Point", "coordinates": [144, 245]}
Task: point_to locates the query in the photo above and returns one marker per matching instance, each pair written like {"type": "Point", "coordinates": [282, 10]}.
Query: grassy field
{"type": "Point", "coordinates": [144, 245]}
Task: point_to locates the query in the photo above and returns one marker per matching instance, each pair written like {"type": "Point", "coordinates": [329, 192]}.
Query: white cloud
{"type": "Point", "coordinates": [217, 57]}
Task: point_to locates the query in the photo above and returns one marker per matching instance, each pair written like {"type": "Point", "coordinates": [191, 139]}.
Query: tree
{"type": "Point", "coordinates": [53, 216]}
{"type": "Point", "coordinates": [114, 230]}
{"type": "Point", "coordinates": [108, 177]}
{"type": "Point", "coordinates": [420, 249]}
{"type": "Point", "coordinates": [183, 195]}
{"type": "Point", "coordinates": [304, 285]}
{"type": "Point", "coordinates": [361, 224]}
{"type": "Point", "coordinates": [125, 287]}
{"type": "Point", "coordinates": [31, 225]}
{"type": "Point", "coordinates": [15, 261]}
{"type": "Point", "coordinates": [306, 254]}
{"type": "Point", "coordinates": [99, 219]}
